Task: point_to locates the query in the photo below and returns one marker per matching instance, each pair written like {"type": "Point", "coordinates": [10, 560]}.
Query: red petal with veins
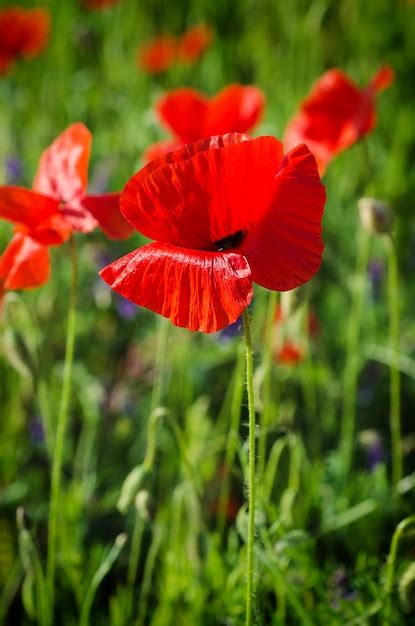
{"type": "Point", "coordinates": [105, 209]}
{"type": "Point", "coordinates": [284, 248]}
{"type": "Point", "coordinates": [183, 111]}
{"type": "Point", "coordinates": [201, 291]}
{"type": "Point", "coordinates": [63, 167]}
{"type": "Point", "coordinates": [212, 195]}
{"type": "Point", "coordinates": [182, 153]}
{"type": "Point", "coordinates": [24, 263]}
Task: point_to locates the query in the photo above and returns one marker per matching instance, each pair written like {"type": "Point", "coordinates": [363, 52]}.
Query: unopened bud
{"type": "Point", "coordinates": [375, 215]}
{"type": "Point", "coordinates": [142, 502]}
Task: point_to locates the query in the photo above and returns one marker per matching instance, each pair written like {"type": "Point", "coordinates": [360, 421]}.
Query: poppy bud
{"type": "Point", "coordinates": [142, 504]}
{"type": "Point", "coordinates": [375, 215]}
{"type": "Point", "coordinates": [131, 487]}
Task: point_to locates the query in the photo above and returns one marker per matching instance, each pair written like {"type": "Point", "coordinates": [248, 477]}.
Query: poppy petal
{"type": "Point", "coordinates": [105, 209]}
{"type": "Point", "coordinates": [34, 214]}
{"type": "Point", "coordinates": [157, 55]}
{"type": "Point", "coordinates": [236, 108]}
{"type": "Point", "coordinates": [183, 112]}
{"type": "Point", "coordinates": [193, 43]}
{"type": "Point", "coordinates": [24, 263]}
{"type": "Point", "coordinates": [36, 32]}
{"type": "Point", "coordinates": [63, 167]}
{"type": "Point", "coordinates": [383, 78]}
{"type": "Point", "coordinates": [23, 206]}
{"type": "Point", "coordinates": [182, 153]}
{"type": "Point", "coordinates": [211, 196]}
{"type": "Point", "coordinates": [284, 248]}
{"type": "Point", "coordinates": [201, 291]}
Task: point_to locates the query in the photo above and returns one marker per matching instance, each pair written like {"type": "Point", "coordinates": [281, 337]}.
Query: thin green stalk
{"type": "Point", "coordinates": [390, 566]}
{"type": "Point", "coordinates": [133, 563]}
{"type": "Point", "coordinates": [266, 396]}
{"type": "Point", "coordinates": [250, 591]}
{"type": "Point", "coordinates": [60, 435]}
{"type": "Point", "coordinates": [352, 356]}
{"type": "Point", "coordinates": [105, 566]}
{"type": "Point", "coordinates": [395, 376]}
{"type": "Point", "coordinates": [163, 335]}
{"type": "Point", "coordinates": [232, 440]}
{"type": "Point", "coordinates": [148, 574]}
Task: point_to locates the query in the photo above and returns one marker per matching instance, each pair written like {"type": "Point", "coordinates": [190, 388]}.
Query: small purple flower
{"type": "Point", "coordinates": [375, 454]}
{"type": "Point", "coordinates": [37, 434]}
{"type": "Point", "coordinates": [373, 448]}
{"type": "Point", "coordinates": [14, 170]}
{"type": "Point", "coordinates": [126, 310]}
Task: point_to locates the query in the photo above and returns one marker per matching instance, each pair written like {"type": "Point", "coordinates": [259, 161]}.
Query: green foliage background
{"type": "Point", "coordinates": [322, 540]}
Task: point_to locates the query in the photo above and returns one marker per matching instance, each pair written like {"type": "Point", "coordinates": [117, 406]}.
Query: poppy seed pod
{"type": "Point", "coordinates": [375, 215]}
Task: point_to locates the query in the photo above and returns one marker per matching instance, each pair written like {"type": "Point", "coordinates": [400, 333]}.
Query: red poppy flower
{"type": "Point", "coordinates": [336, 114]}
{"type": "Point", "coordinates": [190, 115]}
{"type": "Point", "coordinates": [193, 43]}
{"type": "Point", "coordinates": [23, 33]}
{"type": "Point", "coordinates": [224, 212]}
{"type": "Point", "coordinates": [58, 203]}
{"type": "Point", "coordinates": [157, 55]}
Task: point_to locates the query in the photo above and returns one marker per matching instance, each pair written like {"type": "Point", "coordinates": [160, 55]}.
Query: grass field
{"type": "Point", "coordinates": [152, 509]}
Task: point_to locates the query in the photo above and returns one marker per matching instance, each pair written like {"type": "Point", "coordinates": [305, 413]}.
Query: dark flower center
{"type": "Point", "coordinates": [233, 241]}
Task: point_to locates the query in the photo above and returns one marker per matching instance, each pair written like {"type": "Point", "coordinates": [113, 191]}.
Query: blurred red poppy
{"type": "Point", "coordinates": [58, 203]}
{"type": "Point", "coordinates": [336, 114]}
{"type": "Point", "coordinates": [193, 43]}
{"type": "Point", "coordinates": [23, 33]}
{"type": "Point", "coordinates": [157, 55]}
{"type": "Point", "coordinates": [290, 338]}
{"type": "Point", "coordinates": [99, 4]}
{"type": "Point", "coordinates": [225, 212]}
{"type": "Point", "coordinates": [190, 115]}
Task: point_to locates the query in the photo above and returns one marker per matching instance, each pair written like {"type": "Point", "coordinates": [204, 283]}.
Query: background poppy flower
{"type": "Point", "coordinates": [193, 43]}
{"type": "Point", "coordinates": [336, 114]}
{"type": "Point", "coordinates": [23, 33]}
{"type": "Point", "coordinates": [190, 115]}
{"type": "Point", "coordinates": [58, 203]}
{"type": "Point", "coordinates": [289, 335]}
{"type": "Point", "coordinates": [157, 55]}
{"type": "Point", "coordinates": [225, 212]}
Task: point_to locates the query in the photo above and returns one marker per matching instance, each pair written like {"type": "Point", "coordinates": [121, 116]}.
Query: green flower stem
{"type": "Point", "coordinates": [232, 439]}
{"type": "Point", "coordinates": [163, 336]}
{"type": "Point", "coordinates": [395, 377]}
{"type": "Point", "coordinates": [133, 564]}
{"type": "Point", "coordinates": [391, 564]}
{"type": "Point", "coordinates": [352, 356]}
{"type": "Point", "coordinates": [60, 435]}
{"type": "Point", "coordinates": [267, 365]}
{"type": "Point", "coordinates": [251, 473]}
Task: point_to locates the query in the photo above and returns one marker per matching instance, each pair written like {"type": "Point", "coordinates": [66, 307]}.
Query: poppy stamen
{"type": "Point", "coordinates": [233, 241]}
